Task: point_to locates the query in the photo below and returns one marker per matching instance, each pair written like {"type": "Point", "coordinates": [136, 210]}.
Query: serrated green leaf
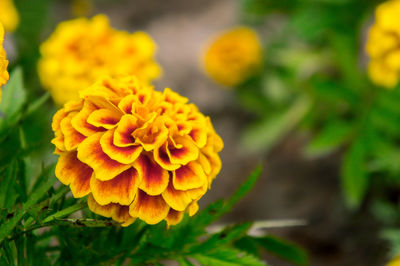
{"type": "Point", "coordinates": [48, 180]}
{"type": "Point", "coordinates": [283, 249]}
{"type": "Point", "coordinates": [225, 256]}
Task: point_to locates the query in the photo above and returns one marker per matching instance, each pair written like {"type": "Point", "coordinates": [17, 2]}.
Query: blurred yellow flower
{"type": "Point", "coordinates": [233, 56]}
{"type": "Point", "coordinates": [136, 152]}
{"type": "Point", "coordinates": [3, 61]}
{"type": "Point", "coordinates": [394, 262]}
{"type": "Point", "coordinates": [82, 50]}
{"type": "Point", "coordinates": [383, 45]}
{"type": "Point", "coordinates": [8, 15]}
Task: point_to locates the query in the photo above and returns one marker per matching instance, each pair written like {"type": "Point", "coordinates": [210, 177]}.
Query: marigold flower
{"type": "Point", "coordinates": [8, 15]}
{"type": "Point", "coordinates": [3, 61]}
{"type": "Point", "coordinates": [383, 45]}
{"type": "Point", "coordinates": [394, 262]}
{"type": "Point", "coordinates": [82, 50]}
{"type": "Point", "coordinates": [137, 152]}
{"type": "Point", "coordinates": [233, 56]}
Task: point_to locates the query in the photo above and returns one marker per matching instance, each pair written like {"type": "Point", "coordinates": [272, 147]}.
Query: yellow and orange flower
{"type": "Point", "coordinates": [137, 152]}
{"type": "Point", "coordinates": [394, 262]}
{"type": "Point", "coordinates": [233, 56]}
{"type": "Point", "coordinates": [8, 15]}
{"type": "Point", "coordinates": [3, 61]}
{"type": "Point", "coordinates": [82, 50]}
{"type": "Point", "coordinates": [383, 45]}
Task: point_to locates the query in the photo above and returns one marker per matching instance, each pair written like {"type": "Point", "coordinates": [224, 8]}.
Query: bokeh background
{"type": "Point", "coordinates": [292, 186]}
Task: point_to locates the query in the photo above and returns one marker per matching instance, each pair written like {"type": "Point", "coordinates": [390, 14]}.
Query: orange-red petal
{"type": "Point", "coordinates": [162, 158]}
{"type": "Point", "coordinates": [118, 212]}
{"type": "Point", "coordinates": [91, 153]}
{"type": "Point", "coordinates": [121, 189]}
{"type": "Point", "coordinates": [125, 155]}
{"type": "Point", "coordinates": [176, 199]}
{"type": "Point", "coordinates": [182, 151]}
{"type": "Point", "coordinates": [71, 171]}
{"type": "Point", "coordinates": [104, 118]}
{"type": "Point", "coordinates": [151, 136]}
{"type": "Point", "coordinates": [123, 133]}
{"type": "Point", "coordinates": [154, 179]}
{"type": "Point", "coordinates": [151, 209]}
{"type": "Point", "coordinates": [72, 138]}
{"type": "Point", "coordinates": [174, 217]}
{"type": "Point", "coordinates": [79, 122]}
{"type": "Point", "coordinates": [189, 176]}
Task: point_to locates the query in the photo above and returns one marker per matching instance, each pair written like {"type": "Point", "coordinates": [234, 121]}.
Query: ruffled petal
{"type": "Point", "coordinates": [79, 122]}
{"type": "Point", "coordinates": [193, 208]}
{"type": "Point", "coordinates": [117, 212]}
{"type": "Point", "coordinates": [71, 171]}
{"type": "Point", "coordinates": [127, 104]}
{"type": "Point", "coordinates": [121, 215]}
{"type": "Point", "coordinates": [123, 133]}
{"type": "Point", "coordinates": [104, 118]}
{"type": "Point", "coordinates": [198, 135]}
{"type": "Point", "coordinates": [91, 153]}
{"type": "Point", "coordinates": [151, 136]}
{"type": "Point", "coordinates": [176, 199]}
{"type": "Point", "coordinates": [162, 158]}
{"type": "Point", "coordinates": [154, 178]}
{"type": "Point", "coordinates": [151, 209]}
{"type": "Point", "coordinates": [121, 189]}
{"type": "Point", "coordinates": [189, 176]}
{"type": "Point", "coordinates": [72, 138]}
{"type": "Point", "coordinates": [57, 118]}
{"type": "Point", "coordinates": [125, 155]}
{"type": "Point", "coordinates": [174, 217]}
{"type": "Point", "coordinates": [182, 151]}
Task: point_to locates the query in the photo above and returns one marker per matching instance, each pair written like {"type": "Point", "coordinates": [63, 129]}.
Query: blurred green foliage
{"type": "Point", "coordinates": [314, 57]}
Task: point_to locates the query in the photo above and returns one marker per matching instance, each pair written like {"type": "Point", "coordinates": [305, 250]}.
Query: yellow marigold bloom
{"type": "Point", "coordinates": [82, 50]}
{"type": "Point", "coordinates": [3, 61]}
{"type": "Point", "coordinates": [8, 15]}
{"type": "Point", "coordinates": [137, 152]}
{"type": "Point", "coordinates": [233, 56]}
{"type": "Point", "coordinates": [394, 262]}
{"type": "Point", "coordinates": [383, 45]}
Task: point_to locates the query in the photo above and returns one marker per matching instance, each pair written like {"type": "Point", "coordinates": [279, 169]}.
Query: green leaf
{"type": "Point", "coordinates": [283, 249]}
{"type": "Point", "coordinates": [227, 235]}
{"type": "Point", "coordinates": [267, 133]}
{"type": "Point", "coordinates": [37, 104]}
{"type": "Point", "coordinates": [13, 99]}
{"type": "Point", "coordinates": [48, 180]}
{"type": "Point", "coordinates": [65, 212]}
{"type": "Point", "coordinates": [334, 134]}
{"type": "Point", "coordinates": [8, 194]}
{"type": "Point", "coordinates": [354, 173]}
{"type": "Point", "coordinates": [225, 256]}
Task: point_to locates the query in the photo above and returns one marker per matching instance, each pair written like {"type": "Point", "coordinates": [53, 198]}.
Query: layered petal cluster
{"type": "Point", "coordinates": [233, 56]}
{"type": "Point", "coordinates": [383, 45]}
{"type": "Point", "coordinates": [3, 61]}
{"type": "Point", "coordinates": [137, 152]}
{"type": "Point", "coordinates": [81, 51]}
{"type": "Point", "coordinates": [8, 15]}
